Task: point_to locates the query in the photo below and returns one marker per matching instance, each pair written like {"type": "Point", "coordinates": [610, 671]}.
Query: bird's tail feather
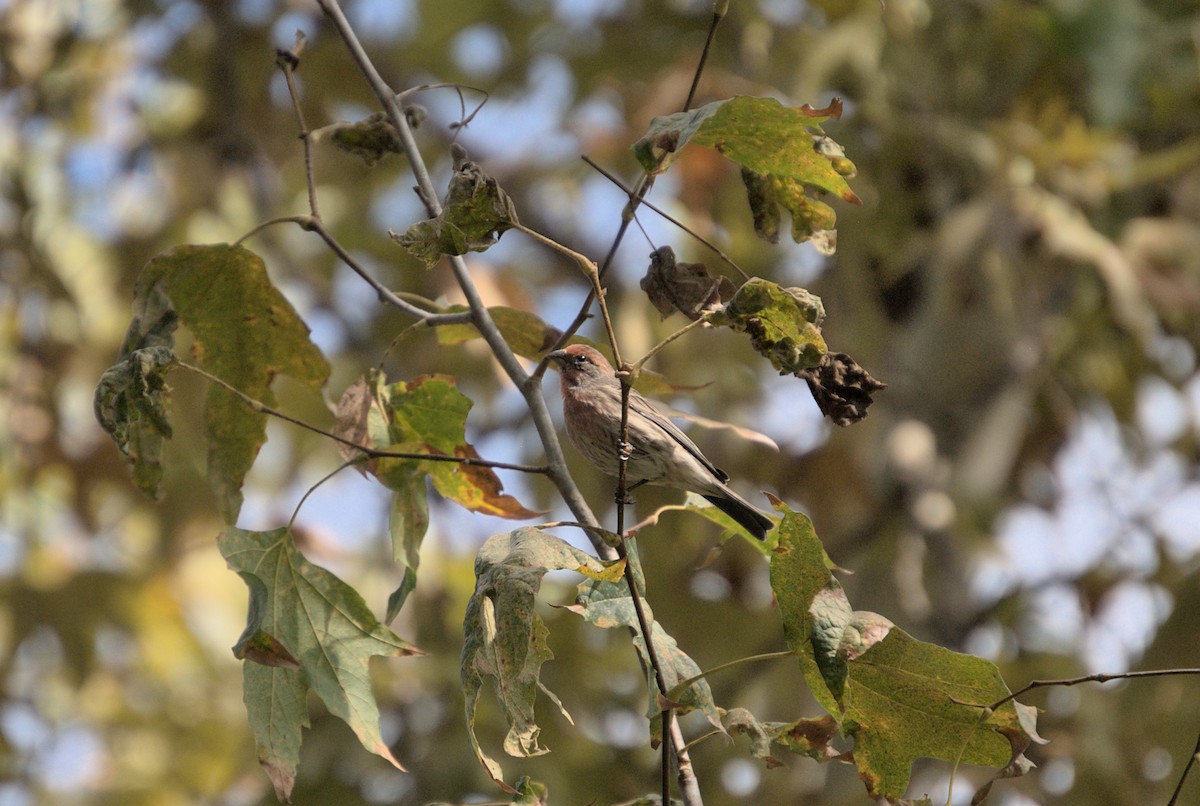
{"type": "Point", "coordinates": [744, 513]}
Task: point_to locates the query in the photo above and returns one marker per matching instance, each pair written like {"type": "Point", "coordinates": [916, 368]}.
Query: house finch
{"type": "Point", "coordinates": [659, 453]}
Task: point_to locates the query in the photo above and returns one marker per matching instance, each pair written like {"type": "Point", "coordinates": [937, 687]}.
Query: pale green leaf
{"type": "Point", "coordinates": [329, 631]}
{"type": "Point", "coordinates": [475, 214]}
{"type": "Point", "coordinates": [608, 605]}
{"type": "Point", "coordinates": [505, 639]}
{"type": "Point", "coordinates": [429, 415]}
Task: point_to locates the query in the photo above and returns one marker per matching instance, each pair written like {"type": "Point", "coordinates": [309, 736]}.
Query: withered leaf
{"type": "Point", "coordinates": [843, 389]}
{"type": "Point", "coordinates": [684, 287]}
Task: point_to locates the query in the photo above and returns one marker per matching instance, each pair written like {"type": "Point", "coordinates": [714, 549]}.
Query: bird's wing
{"type": "Point", "coordinates": [643, 407]}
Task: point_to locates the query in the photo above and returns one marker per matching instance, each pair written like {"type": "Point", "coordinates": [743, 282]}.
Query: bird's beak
{"type": "Point", "coordinates": [558, 357]}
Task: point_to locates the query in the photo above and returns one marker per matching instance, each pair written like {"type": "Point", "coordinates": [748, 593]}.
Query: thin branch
{"type": "Point", "coordinates": [370, 453]}
{"type": "Point", "coordinates": [313, 489]}
{"type": "Point", "coordinates": [664, 214]}
{"type": "Point", "coordinates": [589, 268]}
{"type": "Point", "coordinates": [720, 7]}
{"type": "Point", "coordinates": [465, 119]}
{"type": "Point", "coordinates": [1186, 769]}
{"type": "Point", "coordinates": [384, 293]}
{"type": "Point", "coordinates": [637, 365]}
{"type": "Point", "coordinates": [1074, 681]}
{"type": "Point", "coordinates": [288, 61]}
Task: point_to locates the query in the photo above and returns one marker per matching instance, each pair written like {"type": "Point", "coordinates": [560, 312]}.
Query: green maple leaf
{"type": "Point", "coordinates": [319, 635]}
{"type": "Point", "coordinates": [900, 699]}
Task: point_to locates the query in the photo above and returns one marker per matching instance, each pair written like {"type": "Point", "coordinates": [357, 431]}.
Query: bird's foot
{"type": "Point", "coordinates": [626, 449]}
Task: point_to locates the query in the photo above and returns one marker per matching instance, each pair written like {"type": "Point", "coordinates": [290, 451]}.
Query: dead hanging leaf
{"type": "Point", "coordinates": [843, 389]}
{"type": "Point", "coordinates": [352, 411]}
{"type": "Point", "coordinates": [684, 287]}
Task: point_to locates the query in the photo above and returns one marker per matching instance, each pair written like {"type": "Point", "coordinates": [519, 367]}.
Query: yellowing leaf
{"type": "Point", "coordinates": [782, 151]}
{"type": "Point", "coordinates": [323, 625]}
{"type": "Point", "coordinates": [244, 332]}
{"type": "Point", "coordinates": [429, 415]}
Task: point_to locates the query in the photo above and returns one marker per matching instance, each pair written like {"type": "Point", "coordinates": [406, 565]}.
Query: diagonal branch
{"type": "Point", "coordinates": [530, 388]}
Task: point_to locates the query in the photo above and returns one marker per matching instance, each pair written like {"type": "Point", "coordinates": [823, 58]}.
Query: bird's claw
{"type": "Point", "coordinates": [626, 450]}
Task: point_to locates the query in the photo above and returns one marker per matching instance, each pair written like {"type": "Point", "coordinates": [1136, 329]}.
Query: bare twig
{"type": "Point", "coordinates": [288, 61]}
{"type": "Point", "coordinates": [664, 214]}
{"type": "Point", "coordinates": [588, 267]}
{"type": "Point", "coordinates": [1186, 769]}
{"type": "Point", "coordinates": [645, 183]}
{"type": "Point", "coordinates": [1074, 681]}
{"type": "Point", "coordinates": [369, 452]}
{"type": "Point", "coordinates": [465, 119]}
{"type": "Point", "coordinates": [720, 7]}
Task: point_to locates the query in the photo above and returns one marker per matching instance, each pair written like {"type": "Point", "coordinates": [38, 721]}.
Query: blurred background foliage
{"type": "Point", "coordinates": [1024, 273]}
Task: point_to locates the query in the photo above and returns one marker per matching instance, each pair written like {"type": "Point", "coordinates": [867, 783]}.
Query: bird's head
{"type": "Point", "coordinates": [578, 361]}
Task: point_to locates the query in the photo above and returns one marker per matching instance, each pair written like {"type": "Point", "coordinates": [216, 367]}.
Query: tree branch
{"type": "Point", "coordinates": [557, 464]}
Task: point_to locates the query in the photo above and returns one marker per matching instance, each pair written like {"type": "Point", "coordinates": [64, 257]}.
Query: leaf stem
{"type": "Point", "coordinates": [313, 489]}
{"type": "Point", "coordinates": [637, 365]}
{"type": "Point", "coordinates": [783, 653]}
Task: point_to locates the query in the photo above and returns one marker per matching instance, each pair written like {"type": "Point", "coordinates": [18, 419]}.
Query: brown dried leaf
{"type": "Point", "coordinates": [684, 287]}
{"type": "Point", "coordinates": [352, 411]}
{"type": "Point", "coordinates": [841, 387]}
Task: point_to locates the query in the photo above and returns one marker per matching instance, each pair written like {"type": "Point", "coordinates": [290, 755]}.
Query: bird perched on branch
{"type": "Point", "coordinates": [659, 453]}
